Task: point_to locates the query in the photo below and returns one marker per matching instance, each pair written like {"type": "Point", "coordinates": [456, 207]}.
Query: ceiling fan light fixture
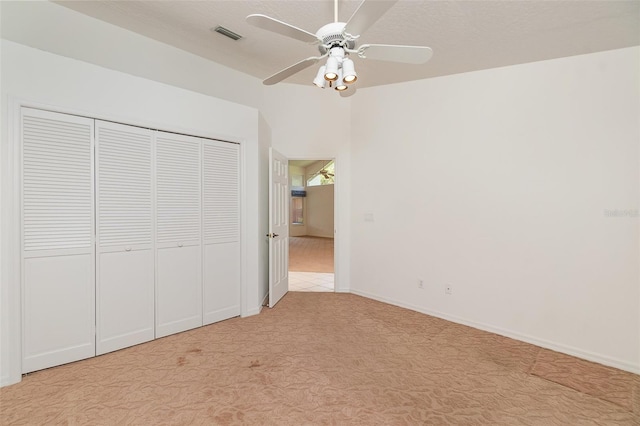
{"type": "Point", "coordinates": [336, 41]}
{"type": "Point", "coordinates": [331, 69]}
{"type": "Point", "coordinates": [349, 71]}
{"type": "Point", "coordinates": [320, 78]}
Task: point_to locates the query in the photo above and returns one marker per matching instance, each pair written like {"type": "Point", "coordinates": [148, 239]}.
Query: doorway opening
{"type": "Point", "coordinates": [311, 225]}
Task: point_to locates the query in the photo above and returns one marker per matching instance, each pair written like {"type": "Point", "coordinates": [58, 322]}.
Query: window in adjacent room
{"type": "Point", "coordinates": [324, 176]}
{"type": "Point", "coordinates": [297, 212]}
{"type": "Point", "coordinates": [297, 181]}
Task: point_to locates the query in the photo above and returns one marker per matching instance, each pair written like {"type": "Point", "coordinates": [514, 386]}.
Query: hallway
{"type": "Point", "coordinates": [311, 264]}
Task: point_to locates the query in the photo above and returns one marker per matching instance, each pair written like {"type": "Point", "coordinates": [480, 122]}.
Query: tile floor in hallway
{"type": "Point", "coordinates": [310, 281]}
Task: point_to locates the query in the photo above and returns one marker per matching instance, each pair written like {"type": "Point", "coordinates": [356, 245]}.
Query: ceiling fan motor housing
{"type": "Point", "coordinates": [332, 36]}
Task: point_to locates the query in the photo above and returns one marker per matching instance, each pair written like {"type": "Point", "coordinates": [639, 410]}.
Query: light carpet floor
{"type": "Point", "coordinates": [327, 359]}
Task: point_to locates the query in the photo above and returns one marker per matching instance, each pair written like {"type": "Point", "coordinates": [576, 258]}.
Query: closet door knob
{"type": "Point", "coordinates": [127, 248]}
{"type": "Point", "coordinates": [179, 244]}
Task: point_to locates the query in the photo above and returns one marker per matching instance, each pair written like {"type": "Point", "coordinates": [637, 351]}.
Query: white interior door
{"type": "Point", "coordinates": [58, 258]}
{"type": "Point", "coordinates": [278, 226]}
{"type": "Point", "coordinates": [124, 286]}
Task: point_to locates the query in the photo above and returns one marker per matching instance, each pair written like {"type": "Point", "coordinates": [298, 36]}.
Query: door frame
{"type": "Point", "coordinates": [337, 237]}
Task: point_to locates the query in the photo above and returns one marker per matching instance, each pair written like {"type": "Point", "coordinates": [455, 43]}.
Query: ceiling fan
{"type": "Point", "coordinates": [324, 172]}
{"type": "Point", "coordinates": [337, 41]}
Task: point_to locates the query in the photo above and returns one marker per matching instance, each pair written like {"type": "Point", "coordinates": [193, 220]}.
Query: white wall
{"type": "Point", "coordinates": [307, 122]}
{"type": "Point", "coordinates": [54, 81]}
{"type": "Point", "coordinates": [496, 182]}
{"type": "Point", "coordinates": [320, 211]}
{"type": "Point", "coordinates": [54, 28]}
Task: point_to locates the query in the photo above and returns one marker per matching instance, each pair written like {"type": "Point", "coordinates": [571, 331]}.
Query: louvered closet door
{"type": "Point", "coordinates": [125, 262]}
{"type": "Point", "coordinates": [178, 234]}
{"type": "Point", "coordinates": [58, 284]}
{"type": "Point", "coordinates": [221, 230]}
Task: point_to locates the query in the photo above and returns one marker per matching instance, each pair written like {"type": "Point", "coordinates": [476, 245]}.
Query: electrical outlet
{"type": "Point", "coordinates": [448, 289]}
{"type": "Point", "coordinates": [420, 283]}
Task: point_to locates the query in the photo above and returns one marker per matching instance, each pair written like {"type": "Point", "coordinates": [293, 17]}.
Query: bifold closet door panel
{"type": "Point", "coordinates": [59, 313]}
{"type": "Point", "coordinates": [221, 195]}
{"type": "Point", "coordinates": [179, 291]}
{"type": "Point", "coordinates": [58, 258]}
{"type": "Point", "coordinates": [221, 282]}
{"type": "Point", "coordinates": [125, 261]}
{"type": "Point", "coordinates": [178, 233]}
{"type": "Point", "coordinates": [126, 305]}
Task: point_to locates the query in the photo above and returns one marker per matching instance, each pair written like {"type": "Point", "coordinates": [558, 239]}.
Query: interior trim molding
{"type": "Point", "coordinates": [251, 312]}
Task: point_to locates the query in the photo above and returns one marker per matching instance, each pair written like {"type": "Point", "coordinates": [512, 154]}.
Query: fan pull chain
{"type": "Point", "coordinates": [335, 11]}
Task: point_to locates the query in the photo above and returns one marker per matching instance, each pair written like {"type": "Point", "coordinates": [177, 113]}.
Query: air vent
{"type": "Point", "coordinates": [226, 32]}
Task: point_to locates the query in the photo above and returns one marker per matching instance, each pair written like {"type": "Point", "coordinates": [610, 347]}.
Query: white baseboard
{"type": "Point", "coordinates": [554, 346]}
{"type": "Point", "coordinates": [257, 309]}
{"type": "Point", "coordinates": [8, 380]}
{"type": "Point", "coordinates": [253, 311]}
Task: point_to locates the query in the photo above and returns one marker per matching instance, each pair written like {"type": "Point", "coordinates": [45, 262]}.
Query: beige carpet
{"type": "Point", "coordinates": [310, 254]}
{"type": "Point", "coordinates": [327, 359]}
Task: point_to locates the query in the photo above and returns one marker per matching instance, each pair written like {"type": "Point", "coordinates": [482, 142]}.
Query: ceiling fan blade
{"type": "Point", "coordinates": [288, 72]}
{"type": "Point", "coordinates": [272, 24]}
{"type": "Point", "coordinates": [396, 53]}
{"type": "Point", "coordinates": [366, 14]}
{"type": "Point", "coordinates": [349, 92]}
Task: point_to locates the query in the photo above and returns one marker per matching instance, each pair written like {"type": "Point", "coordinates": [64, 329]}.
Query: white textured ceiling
{"type": "Point", "coordinates": [464, 35]}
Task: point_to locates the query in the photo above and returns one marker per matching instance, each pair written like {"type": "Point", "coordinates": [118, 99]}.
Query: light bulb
{"type": "Point", "coordinates": [349, 71]}
{"type": "Point", "coordinates": [340, 85]}
{"type": "Point", "coordinates": [331, 69]}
